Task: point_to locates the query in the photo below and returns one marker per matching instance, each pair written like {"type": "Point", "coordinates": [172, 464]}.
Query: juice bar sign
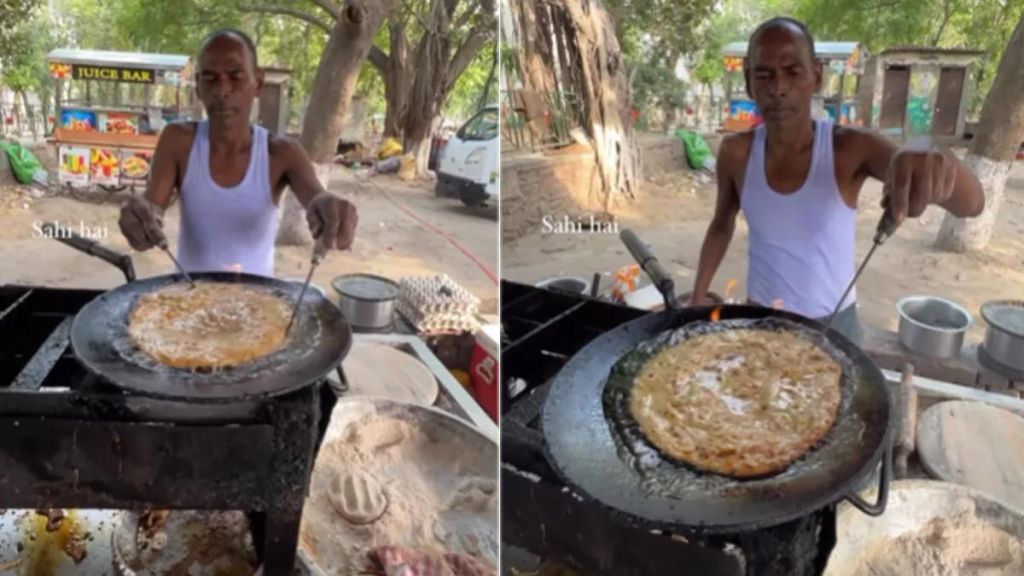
{"type": "Point", "coordinates": [113, 74]}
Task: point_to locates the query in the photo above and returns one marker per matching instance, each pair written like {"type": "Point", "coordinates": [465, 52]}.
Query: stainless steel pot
{"type": "Point", "coordinates": [933, 326]}
{"type": "Point", "coordinates": [566, 284]}
{"type": "Point", "coordinates": [1004, 340]}
{"type": "Point", "coordinates": [366, 300]}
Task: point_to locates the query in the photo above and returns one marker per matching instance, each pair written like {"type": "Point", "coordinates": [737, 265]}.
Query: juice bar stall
{"type": "Point", "coordinates": [842, 68]}
{"type": "Point", "coordinates": [110, 108]}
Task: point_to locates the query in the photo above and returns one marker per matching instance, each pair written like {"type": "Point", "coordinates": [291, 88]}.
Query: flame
{"type": "Point", "coordinates": [729, 286]}
{"type": "Point", "coordinates": [777, 304]}
{"type": "Point", "coordinates": [716, 314]}
{"type": "Point", "coordinates": [234, 268]}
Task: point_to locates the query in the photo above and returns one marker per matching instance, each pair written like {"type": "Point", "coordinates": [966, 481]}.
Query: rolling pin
{"type": "Point", "coordinates": [906, 434]}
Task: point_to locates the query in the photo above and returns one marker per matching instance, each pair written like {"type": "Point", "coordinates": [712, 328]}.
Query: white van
{"type": "Point", "coordinates": [467, 168]}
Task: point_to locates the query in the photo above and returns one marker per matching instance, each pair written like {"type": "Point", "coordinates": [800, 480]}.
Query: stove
{"type": "Point", "coordinates": [541, 330]}
{"type": "Point", "coordinates": [70, 440]}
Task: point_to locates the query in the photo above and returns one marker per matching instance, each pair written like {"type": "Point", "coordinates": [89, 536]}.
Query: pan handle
{"type": "Point", "coordinates": [646, 259]}
{"type": "Point", "coordinates": [92, 248]}
{"type": "Point", "coordinates": [878, 507]}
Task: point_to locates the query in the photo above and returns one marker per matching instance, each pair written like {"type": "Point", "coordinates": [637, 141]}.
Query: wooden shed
{"type": "Point", "coordinates": [917, 90]}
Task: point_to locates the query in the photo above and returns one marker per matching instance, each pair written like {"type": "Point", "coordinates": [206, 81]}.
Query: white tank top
{"type": "Point", "coordinates": [228, 229]}
{"type": "Point", "coordinates": [802, 245]}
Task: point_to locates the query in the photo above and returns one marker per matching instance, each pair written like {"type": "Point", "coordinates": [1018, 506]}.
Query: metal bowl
{"type": "Point", "coordinates": [568, 284]}
{"type": "Point", "coordinates": [933, 326]}
{"type": "Point", "coordinates": [913, 504]}
{"type": "Point", "coordinates": [1004, 340]}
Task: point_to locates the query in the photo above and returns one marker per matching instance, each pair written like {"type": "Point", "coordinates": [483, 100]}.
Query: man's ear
{"type": "Point", "coordinates": [818, 68]}
{"type": "Point", "coordinates": [746, 79]}
{"type": "Point", "coordinates": [260, 76]}
{"type": "Point", "coordinates": [197, 86]}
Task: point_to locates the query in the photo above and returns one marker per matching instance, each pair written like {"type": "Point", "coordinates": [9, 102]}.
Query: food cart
{"type": "Point", "coordinates": [108, 119]}
{"type": "Point", "coordinates": [837, 98]}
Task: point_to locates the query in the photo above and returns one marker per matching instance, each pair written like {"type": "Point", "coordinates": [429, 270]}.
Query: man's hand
{"type": "Point", "coordinates": [916, 178]}
{"type": "Point", "coordinates": [142, 223]}
{"type": "Point", "coordinates": [332, 220]}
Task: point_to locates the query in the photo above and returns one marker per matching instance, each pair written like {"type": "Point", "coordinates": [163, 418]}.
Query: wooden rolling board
{"type": "Point", "coordinates": [383, 371]}
{"type": "Point", "coordinates": [976, 445]}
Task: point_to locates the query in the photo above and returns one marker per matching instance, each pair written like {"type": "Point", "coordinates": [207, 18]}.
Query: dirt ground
{"type": "Point", "coordinates": [388, 241]}
{"type": "Point", "coordinates": [673, 212]}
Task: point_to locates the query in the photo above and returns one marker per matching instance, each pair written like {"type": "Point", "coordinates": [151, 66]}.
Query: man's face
{"type": "Point", "coordinates": [781, 75]}
{"type": "Point", "coordinates": [226, 81]}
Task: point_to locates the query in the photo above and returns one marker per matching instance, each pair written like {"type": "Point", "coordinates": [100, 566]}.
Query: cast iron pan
{"type": "Point", "coordinates": [587, 450]}
{"type": "Point", "coordinates": [317, 344]}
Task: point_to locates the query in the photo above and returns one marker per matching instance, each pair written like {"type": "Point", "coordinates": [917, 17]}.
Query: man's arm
{"type": "Point", "coordinates": [163, 175]}
{"type": "Point", "coordinates": [299, 172]}
{"type": "Point", "coordinates": [141, 219]}
{"type": "Point", "coordinates": [723, 223]}
{"type": "Point", "coordinates": [919, 174]}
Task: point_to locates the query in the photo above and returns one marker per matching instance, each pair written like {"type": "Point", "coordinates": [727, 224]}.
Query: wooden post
{"type": "Point", "coordinates": [906, 433]}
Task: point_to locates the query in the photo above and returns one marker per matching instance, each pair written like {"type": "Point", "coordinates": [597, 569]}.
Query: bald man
{"type": "Point", "coordinates": [798, 181]}
{"type": "Point", "coordinates": [231, 175]}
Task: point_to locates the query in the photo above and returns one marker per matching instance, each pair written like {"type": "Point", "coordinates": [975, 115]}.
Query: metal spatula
{"type": "Point", "coordinates": [163, 246]}
{"type": "Point", "coordinates": [886, 227]}
{"type": "Point", "coordinates": [319, 250]}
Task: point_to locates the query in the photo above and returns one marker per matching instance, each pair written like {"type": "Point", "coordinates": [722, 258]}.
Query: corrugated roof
{"type": "Point", "coordinates": [821, 49]}
{"type": "Point", "coordinates": [125, 59]}
{"type": "Point", "coordinates": [903, 49]}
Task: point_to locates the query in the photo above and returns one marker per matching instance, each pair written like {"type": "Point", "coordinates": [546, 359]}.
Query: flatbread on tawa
{"type": "Point", "coordinates": [741, 403]}
{"type": "Point", "coordinates": [214, 325]}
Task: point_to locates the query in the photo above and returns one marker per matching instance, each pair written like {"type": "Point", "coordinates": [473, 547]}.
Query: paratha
{"type": "Point", "coordinates": [213, 325]}
{"type": "Point", "coordinates": [741, 402]}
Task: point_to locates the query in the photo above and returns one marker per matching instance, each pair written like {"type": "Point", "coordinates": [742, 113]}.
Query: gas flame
{"type": "Point", "coordinates": [236, 268]}
{"type": "Point", "coordinates": [716, 313]}
{"type": "Point", "coordinates": [729, 286]}
{"type": "Point", "coordinates": [777, 304]}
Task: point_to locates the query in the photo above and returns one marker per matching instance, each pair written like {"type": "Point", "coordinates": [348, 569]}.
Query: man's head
{"type": "Point", "coordinates": [781, 70]}
{"type": "Point", "coordinates": [228, 77]}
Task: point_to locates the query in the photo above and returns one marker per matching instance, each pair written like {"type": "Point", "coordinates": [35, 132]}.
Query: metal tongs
{"type": "Point", "coordinates": [319, 251]}
{"type": "Point", "coordinates": [886, 228]}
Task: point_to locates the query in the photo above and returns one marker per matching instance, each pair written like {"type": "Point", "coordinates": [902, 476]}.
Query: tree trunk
{"type": "Point", "coordinates": [606, 100]}
{"type": "Point", "coordinates": [347, 47]}
{"type": "Point", "coordinates": [292, 229]}
{"type": "Point", "coordinates": [438, 64]}
{"type": "Point", "coordinates": [31, 115]}
{"type": "Point", "coordinates": [1000, 132]}
{"type": "Point", "coordinates": [396, 81]}
{"type": "Point", "coordinates": [536, 60]}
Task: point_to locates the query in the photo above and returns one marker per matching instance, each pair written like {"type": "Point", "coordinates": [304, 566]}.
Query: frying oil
{"type": "Point", "coordinates": [44, 551]}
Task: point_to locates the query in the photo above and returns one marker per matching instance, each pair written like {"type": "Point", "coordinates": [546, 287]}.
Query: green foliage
{"type": "Point", "coordinates": [656, 86]}
{"type": "Point", "coordinates": [667, 28]}
{"type": "Point", "coordinates": [980, 24]}
{"type": "Point", "coordinates": [468, 90]}
{"type": "Point", "coordinates": [24, 66]}
{"type": "Point", "coordinates": [13, 13]}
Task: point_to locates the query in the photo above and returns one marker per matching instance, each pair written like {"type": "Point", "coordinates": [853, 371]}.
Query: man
{"type": "Point", "coordinates": [797, 182]}
{"type": "Point", "coordinates": [231, 175]}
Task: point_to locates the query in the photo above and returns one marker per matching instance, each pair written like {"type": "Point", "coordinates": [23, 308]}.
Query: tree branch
{"type": "Point", "coordinates": [478, 37]}
{"type": "Point", "coordinates": [379, 59]}
{"type": "Point", "coordinates": [330, 7]}
{"type": "Point", "coordinates": [283, 11]}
